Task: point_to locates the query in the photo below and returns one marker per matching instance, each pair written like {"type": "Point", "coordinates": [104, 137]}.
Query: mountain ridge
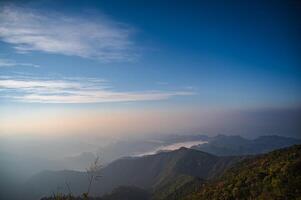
{"type": "Point", "coordinates": [147, 172]}
{"type": "Point", "coordinates": [232, 145]}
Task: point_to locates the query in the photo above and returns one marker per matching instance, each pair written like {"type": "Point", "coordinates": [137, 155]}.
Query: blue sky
{"type": "Point", "coordinates": [149, 55]}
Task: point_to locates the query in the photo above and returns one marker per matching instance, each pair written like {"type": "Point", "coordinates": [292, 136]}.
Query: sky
{"type": "Point", "coordinates": [120, 68]}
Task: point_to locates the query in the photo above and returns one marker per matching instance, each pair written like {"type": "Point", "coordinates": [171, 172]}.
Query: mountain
{"type": "Point", "coordinates": [77, 162]}
{"type": "Point", "coordinates": [120, 193]}
{"type": "Point", "coordinates": [178, 187]}
{"type": "Point", "coordinates": [127, 193]}
{"type": "Point", "coordinates": [170, 139]}
{"type": "Point", "coordinates": [223, 145]}
{"type": "Point", "coordinates": [166, 173]}
{"type": "Point", "coordinates": [125, 148]}
{"type": "Point", "coordinates": [276, 175]}
{"type": "Point", "coordinates": [148, 172]}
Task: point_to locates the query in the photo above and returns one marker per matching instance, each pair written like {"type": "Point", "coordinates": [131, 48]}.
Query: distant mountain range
{"type": "Point", "coordinates": [223, 145]}
{"type": "Point", "coordinates": [165, 175]}
{"type": "Point", "coordinates": [131, 147]}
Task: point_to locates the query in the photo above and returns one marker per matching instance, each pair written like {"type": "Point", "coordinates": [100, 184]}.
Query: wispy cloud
{"type": "Point", "coordinates": [75, 90]}
{"type": "Point", "coordinates": [32, 30]}
{"type": "Point", "coordinates": [12, 63]}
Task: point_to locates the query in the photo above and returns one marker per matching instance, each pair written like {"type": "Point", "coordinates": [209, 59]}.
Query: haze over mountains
{"type": "Point", "coordinates": [274, 175]}
{"type": "Point", "coordinates": [152, 172]}
{"type": "Point", "coordinates": [148, 172]}
{"type": "Point", "coordinates": [27, 163]}
{"type": "Point", "coordinates": [236, 145]}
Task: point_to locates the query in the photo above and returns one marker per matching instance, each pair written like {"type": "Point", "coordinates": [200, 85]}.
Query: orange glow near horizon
{"type": "Point", "coordinates": [103, 123]}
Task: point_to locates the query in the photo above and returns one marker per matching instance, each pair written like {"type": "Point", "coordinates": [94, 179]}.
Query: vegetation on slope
{"type": "Point", "coordinates": [276, 175]}
{"type": "Point", "coordinates": [178, 188]}
{"type": "Point", "coordinates": [120, 193]}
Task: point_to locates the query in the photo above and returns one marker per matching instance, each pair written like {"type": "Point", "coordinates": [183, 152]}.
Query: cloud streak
{"type": "Point", "coordinates": [12, 63]}
{"type": "Point", "coordinates": [75, 90]}
{"type": "Point", "coordinates": [31, 30]}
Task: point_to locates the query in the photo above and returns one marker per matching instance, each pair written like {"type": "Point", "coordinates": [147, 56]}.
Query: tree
{"type": "Point", "coordinates": [92, 174]}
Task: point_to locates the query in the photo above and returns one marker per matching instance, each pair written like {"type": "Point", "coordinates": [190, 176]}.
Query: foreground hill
{"type": "Point", "coordinates": [223, 145]}
{"type": "Point", "coordinates": [276, 175]}
{"type": "Point", "coordinates": [149, 172]}
{"type": "Point", "coordinates": [120, 193]}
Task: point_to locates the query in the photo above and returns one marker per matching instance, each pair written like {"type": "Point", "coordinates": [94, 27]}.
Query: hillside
{"type": "Point", "coordinates": [148, 172]}
{"type": "Point", "coordinates": [120, 193]}
{"type": "Point", "coordinates": [177, 188]}
{"type": "Point", "coordinates": [276, 175]}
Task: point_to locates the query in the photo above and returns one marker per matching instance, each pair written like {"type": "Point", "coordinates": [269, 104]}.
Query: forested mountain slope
{"type": "Point", "coordinates": [276, 175]}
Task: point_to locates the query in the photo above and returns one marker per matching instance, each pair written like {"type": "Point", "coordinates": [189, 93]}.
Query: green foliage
{"type": "Point", "coordinates": [127, 193]}
{"type": "Point", "coordinates": [120, 193]}
{"type": "Point", "coordinates": [60, 196]}
{"type": "Point", "coordinates": [276, 175]}
{"type": "Point", "coordinates": [178, 188]}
